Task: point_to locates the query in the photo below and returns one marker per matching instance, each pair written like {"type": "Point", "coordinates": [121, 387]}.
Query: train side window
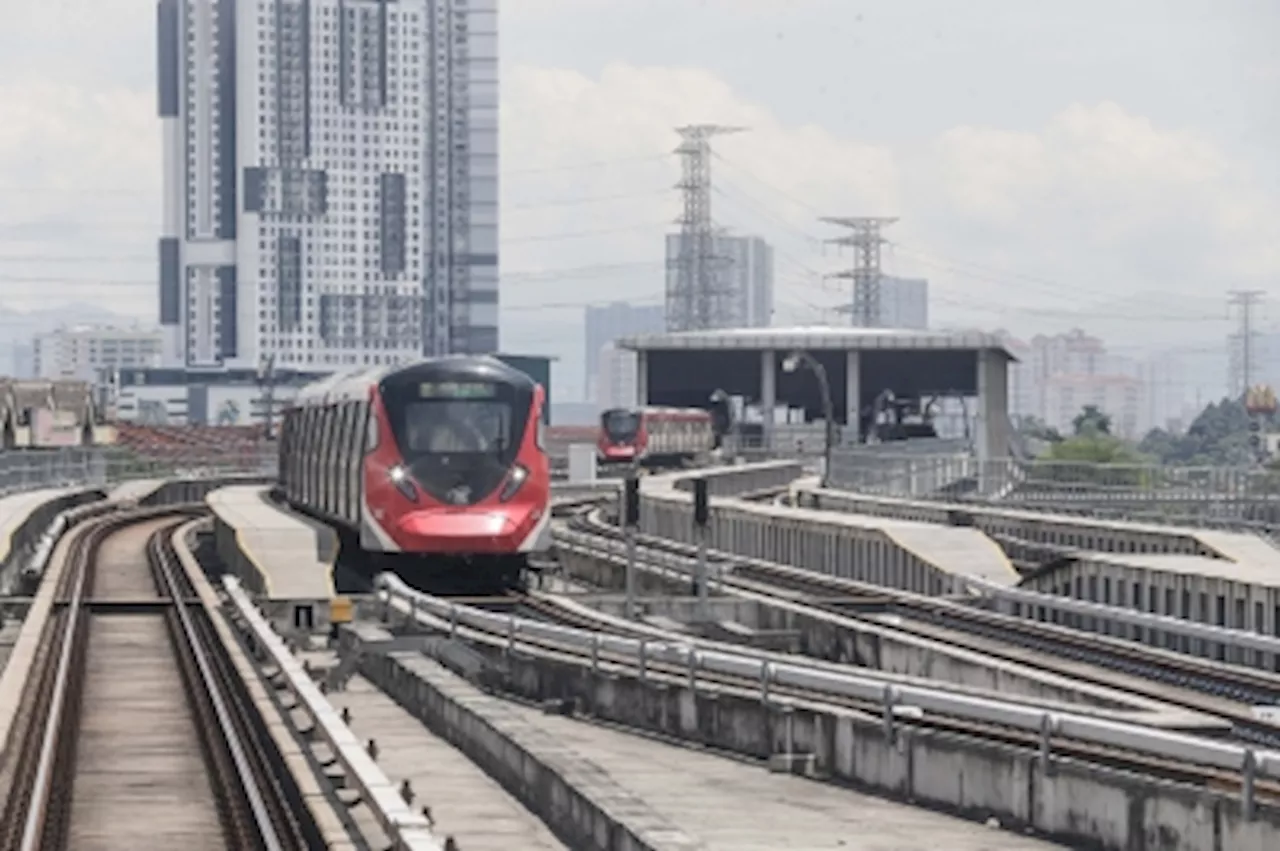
{"type": "Point", "coordinates": [370, 428]}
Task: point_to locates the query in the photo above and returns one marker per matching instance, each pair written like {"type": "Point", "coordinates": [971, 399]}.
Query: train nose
{"type": "Point", "coordinates": [467, 530]}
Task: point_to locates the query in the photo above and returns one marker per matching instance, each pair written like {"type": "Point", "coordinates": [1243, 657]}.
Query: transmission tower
{"type": "Point", "coordinates": [866, 240]}
{"type": "Point", "coordinates": [699, 293]}
{"type": "Point", "coordinates": [1241, 354]}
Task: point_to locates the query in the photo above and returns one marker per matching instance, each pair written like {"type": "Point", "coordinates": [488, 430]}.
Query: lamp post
{"type": "Point", "coordinates": [791, 363]}
{"type": "Point", "coordinates": [267, 383]}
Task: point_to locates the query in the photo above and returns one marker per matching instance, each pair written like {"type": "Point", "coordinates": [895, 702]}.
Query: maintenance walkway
{"type": "Point", "coordinates": [284, 558]}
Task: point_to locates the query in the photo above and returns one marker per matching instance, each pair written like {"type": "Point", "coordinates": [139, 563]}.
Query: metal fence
{"type": "Point", "coordinates": [917, 469]}
{"type": "Point", "coordinates": [1238, 498]}
{"type": "Point", "coordinates": [22, 470]}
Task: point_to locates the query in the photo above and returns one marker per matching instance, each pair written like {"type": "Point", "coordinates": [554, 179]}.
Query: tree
{"type": "Point", "coordinates": [1037, 429]}
{"type": "Point", "coordinates": [1091, 420]}
{"type": "Point", "coordinates": [1218, 436]}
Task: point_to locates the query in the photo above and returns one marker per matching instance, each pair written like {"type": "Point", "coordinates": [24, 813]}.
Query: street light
{"type": "Point", "coordinates": [791, 363]}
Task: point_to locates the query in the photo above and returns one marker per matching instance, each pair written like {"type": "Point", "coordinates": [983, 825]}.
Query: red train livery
{"type": "Point", "coordinates": [655, 436]}
{"type": "Point", "coordinates": [442, 458]}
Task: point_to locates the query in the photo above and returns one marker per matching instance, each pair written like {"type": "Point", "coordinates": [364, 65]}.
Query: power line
{"type": "Point", "coordinates": [1056, 288]}
{"type": "Point", "coordinates": [133, 191]}
{"type": "Point", "coordinates": [528, 276]}
{"type": "Point", "coordinates": [19, 227]}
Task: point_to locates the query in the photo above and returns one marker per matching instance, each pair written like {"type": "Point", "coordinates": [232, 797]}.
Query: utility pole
{"type": "Point", "coordinates": [866, 240]}
{"type": "Point", "coordinates": [698, 294]}
{"type": "Point", "coordinates": [1241, 354]}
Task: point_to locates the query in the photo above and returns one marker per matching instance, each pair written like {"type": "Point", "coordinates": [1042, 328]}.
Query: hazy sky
{"type": "Point", "coordinates": [1104, 164]}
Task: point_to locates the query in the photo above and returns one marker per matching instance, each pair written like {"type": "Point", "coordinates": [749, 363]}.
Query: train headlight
{"type": "Point", "coordinates": [513, 483]}
{"type": "Point", "coordinates": [399, 477]}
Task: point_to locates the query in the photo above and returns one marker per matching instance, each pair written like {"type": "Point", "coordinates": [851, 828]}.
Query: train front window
{"type": "Point", "coordinates": [621, 426]}
{"type": "Point", "coordinates": [458, 439]}
{"type": "Point", "coordinates": [453, 427]}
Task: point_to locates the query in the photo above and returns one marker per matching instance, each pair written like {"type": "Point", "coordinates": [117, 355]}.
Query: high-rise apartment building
{"type": "Point", "coordinates": [1120, 397]}
{"type": "Point", "coordinates": [904, 303]}
{"type": "Point", "coordinates": [617, 384]}
{"type": "Point", "coordinates": [84, 352]}
{"type": "Point", "coordinates": [606, 323]}
{"type": "Point", "coordinates": [746, 262]}
{"type": "Point", "coordinates": [331, 180]}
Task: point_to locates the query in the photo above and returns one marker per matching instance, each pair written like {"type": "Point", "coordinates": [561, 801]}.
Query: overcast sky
{"type": "Point", "coordinates": [1104, 164]}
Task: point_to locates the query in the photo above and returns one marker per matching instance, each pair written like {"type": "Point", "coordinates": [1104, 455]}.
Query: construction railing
{"type": "Point", "coordinates": [22, 470]}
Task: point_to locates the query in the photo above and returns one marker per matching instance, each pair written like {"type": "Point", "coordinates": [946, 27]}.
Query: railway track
{"type": "Point", "coordinates": [499, 633]}
{"type": "Point", "coordinates": [1200, 684]}
{"type": "Point", "coordinates": [136, 730]}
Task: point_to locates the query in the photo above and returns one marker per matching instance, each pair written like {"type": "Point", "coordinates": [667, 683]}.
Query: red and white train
{"type": "Point", "coordinates": [651, 437]}
{"type": "Point", "coordinates": [443, 459]}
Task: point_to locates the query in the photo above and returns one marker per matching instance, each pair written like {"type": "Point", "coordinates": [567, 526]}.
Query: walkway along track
{"type": "Point", "coordinates": [1226, 687]}
{"type": "Point", "coordinates": [137, 731]}
{"type": "Point", "coordinates": [681, 660]}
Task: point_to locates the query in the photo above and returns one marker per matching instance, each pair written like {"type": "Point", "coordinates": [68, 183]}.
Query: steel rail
{"type": "Point", "coordinates": [1044, 636]}
{"type": "Point", "coordinates": [227, 731]}
{"type": "Point", "coordinates": [1047, 743]}
{"type": "Point", "coordinates": [1251, 762]}
{"type": "Point", "coordinates": [58, 683]}
{"type": "Point", "coordinates": [33, 826]}
{"type": "Point", "coordinates": [409, 831]}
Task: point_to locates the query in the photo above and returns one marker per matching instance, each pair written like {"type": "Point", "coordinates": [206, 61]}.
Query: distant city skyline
{"type": "Point", "coordinates": [1111, 185]}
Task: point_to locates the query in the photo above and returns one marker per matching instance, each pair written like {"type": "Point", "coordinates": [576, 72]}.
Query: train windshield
{"type": "Point", "coordinates": [452, 427]}
{"type": "Point", "coordinates": [458, 441]}
{"type": "Point", "coordinates": [621, 426]}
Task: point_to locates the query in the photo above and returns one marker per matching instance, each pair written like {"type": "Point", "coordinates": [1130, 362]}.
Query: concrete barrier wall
{"type": "Point", "coordinates": [787, 536]}
{"type": "Point", "coordinates": [226, 543]}
{"type": "Point", "coordinates": [27, 536]}
{"type": "Point", "coordinates": [740, 479]}
{"type": "Point", "coordinates": [1081, 805]}
{"type": "Point", "coordinates": [868, 645]}
{"type": "Point", "coordinates": [180, 491]}
{"type": "Point", "coordinates": [578, 801]}
{"type": "Point", "coordinates": [1081, 532]}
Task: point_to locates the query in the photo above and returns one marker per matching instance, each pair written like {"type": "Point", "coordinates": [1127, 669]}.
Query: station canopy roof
{"type": "Point", "coordinates": [820, 337]}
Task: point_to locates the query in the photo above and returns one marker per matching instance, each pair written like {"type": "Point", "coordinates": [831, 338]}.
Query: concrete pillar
{"type": "Point", "coordinates": [768, 393]}
{"type": "Point", "coordinates": [992, 426]}
{"type": "Point", "coordinates": [642, 378]}
{"type": "Point", "coordinates": [853, 396]}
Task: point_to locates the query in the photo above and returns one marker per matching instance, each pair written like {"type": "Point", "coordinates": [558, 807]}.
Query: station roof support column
{"type": "Point", "coordinates": [642, 379]}
{"type": "Point", "coordinates": [768, 394]}
{"type": "Point", "coordinates": [853, 397]}
{"type": "Point", "coordinates": [993, 432]}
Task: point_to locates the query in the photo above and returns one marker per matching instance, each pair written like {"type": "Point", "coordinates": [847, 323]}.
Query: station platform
{"type": "Point", "coordinates": [1242, 549]}
{"type": "Point", "coordinates": [903, 553]}
{"type": "Point", "coordinates": [285, 559]}
{"type": "Point", "coordinates": [1048, 527]}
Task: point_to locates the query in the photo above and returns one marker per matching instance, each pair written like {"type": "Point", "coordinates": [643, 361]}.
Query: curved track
{"type": "Point", "coordinates": [1192, 682]}
{"type": "Point", "coordinates": [601, 657]}
{"type": "Point", "coordinates": [137, 732]}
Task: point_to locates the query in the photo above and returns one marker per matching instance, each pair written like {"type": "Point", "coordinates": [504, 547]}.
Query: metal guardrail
{"type": "Point", "coordinates": [1006, 597]}
{"type": "Point", "coordinates": [1233, 638]}
{"type": "Point", "coordinates": [893, 697]}
{"type": "Point", "coordinates": [1233, 498]}
{"type": "Point", "coordinates": [24, 470]}
{"type": "Point", "coordinates": [408, 830]}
